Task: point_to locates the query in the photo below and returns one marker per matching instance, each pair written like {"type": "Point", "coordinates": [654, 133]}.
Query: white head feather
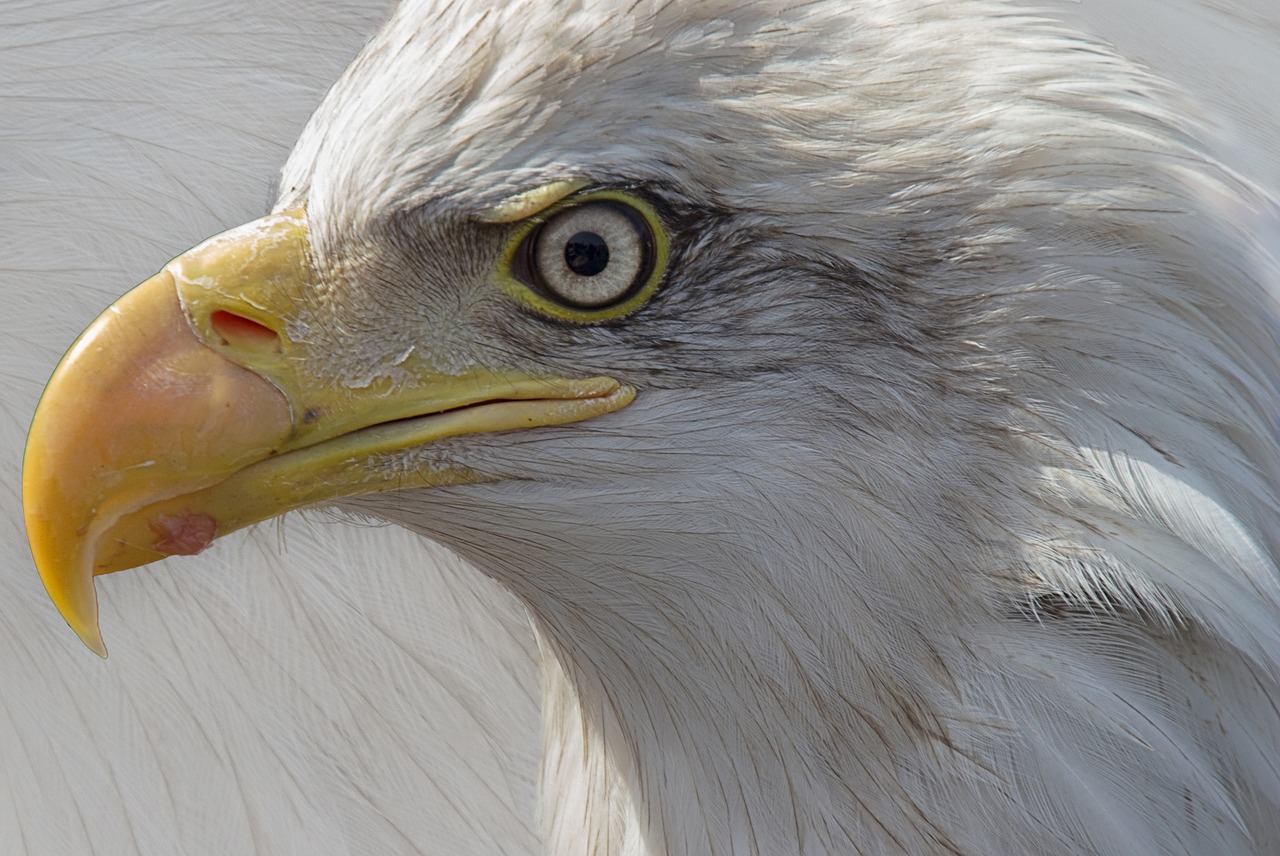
{"type": "Point", "coordinates": [945, 520]}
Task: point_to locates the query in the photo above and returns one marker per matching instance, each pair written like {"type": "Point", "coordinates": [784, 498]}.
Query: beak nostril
{"type": "Point", "coordinates": [244, 333]}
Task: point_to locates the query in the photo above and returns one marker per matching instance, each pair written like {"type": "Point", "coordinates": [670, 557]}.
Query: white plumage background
{"type": "Point", "coordinates": [311, 687]}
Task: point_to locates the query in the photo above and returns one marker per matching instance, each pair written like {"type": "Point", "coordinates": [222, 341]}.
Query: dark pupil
{"type": "Point", "coordinates": [586, 254]}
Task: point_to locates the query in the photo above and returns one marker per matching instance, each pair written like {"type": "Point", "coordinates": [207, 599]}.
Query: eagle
{"type": "Point", "coordinates": [871, 406]}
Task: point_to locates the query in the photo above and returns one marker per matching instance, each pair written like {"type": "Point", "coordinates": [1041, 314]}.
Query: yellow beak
{"type": "Point", "coordinates": [189, 409]}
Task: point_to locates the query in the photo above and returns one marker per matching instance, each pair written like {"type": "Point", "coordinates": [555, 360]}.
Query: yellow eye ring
{"type": "Point", "coordinates": [593, 256]}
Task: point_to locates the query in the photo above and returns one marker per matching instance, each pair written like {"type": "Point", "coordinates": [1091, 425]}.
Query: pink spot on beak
{"type": "Point", "coordinates": [183, 534]}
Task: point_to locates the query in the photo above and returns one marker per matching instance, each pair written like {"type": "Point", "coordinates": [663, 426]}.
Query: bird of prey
{"type": "Point", "coordinates": [872, 407]}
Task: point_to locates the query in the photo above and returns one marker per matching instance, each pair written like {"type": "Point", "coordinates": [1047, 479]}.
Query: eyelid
{"type": "Point", "coordinates": [530, 203]}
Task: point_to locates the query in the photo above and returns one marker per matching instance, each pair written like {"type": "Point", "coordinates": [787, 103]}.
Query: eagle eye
{"type": "Point", "coordinates": [595, 256]}
{"type": "Point", "coordinates": [591, 255]}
